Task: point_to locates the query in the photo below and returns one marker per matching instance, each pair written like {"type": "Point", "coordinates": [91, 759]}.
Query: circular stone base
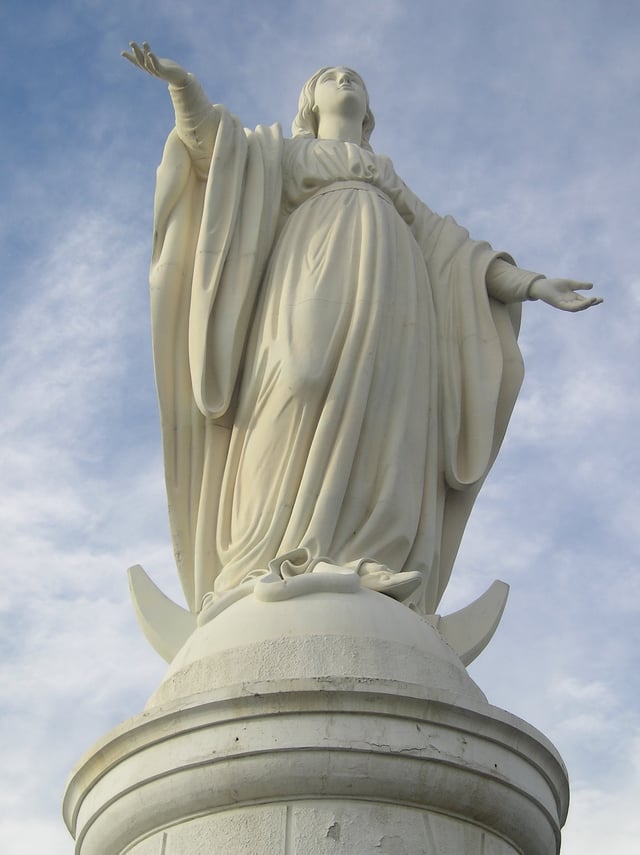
{"type": "Point", "coordinates": [330, 723]}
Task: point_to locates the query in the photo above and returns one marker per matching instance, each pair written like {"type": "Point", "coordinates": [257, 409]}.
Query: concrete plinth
{"type": "Point", "coordinates": [332, 723]}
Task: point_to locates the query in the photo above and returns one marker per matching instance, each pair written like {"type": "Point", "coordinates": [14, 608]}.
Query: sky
{"type": "Point", "coordinates": [521, 120]}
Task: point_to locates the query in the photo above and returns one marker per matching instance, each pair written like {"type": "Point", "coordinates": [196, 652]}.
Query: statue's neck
{"type": "Point", "coordinates": [340, 128]}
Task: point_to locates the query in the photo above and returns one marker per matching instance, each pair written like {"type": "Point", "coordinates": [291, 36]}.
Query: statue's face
{"type": "Point", "coordinates": [340, 91]}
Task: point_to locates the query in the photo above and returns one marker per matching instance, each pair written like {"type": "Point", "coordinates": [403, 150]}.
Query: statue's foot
{"type": "Point", "coordinates": [297, 573]}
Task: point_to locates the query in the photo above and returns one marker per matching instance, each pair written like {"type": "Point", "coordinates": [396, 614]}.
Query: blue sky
{"type": "Point", "coordinates": [520, 119]}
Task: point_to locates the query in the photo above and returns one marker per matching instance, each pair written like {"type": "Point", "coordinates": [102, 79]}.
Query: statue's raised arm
{"type": "Point", "coordinates": [196, 118]}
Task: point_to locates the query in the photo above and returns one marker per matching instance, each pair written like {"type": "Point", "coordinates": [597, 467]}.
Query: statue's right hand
{"type": "Point", "coordinates": [166, 69]}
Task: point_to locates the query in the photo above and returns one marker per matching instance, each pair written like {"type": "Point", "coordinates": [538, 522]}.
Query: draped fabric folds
{"type": "Point", "coordinates": [330, 369]}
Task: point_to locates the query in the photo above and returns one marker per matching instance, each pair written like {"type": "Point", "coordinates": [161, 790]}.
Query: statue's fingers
{"type": "Point", "coordinates": [150, 60]}
{"type": "Point", "coordinates": [137, 52]}
{"type": "Point", "coordinates": [135, 61]}
{"type": "Point", "coordinates": [581, 286]}
{"type": "Point", "coordinates": [152, 63]}
{"type": "Point", "coordinates": [586, 303]}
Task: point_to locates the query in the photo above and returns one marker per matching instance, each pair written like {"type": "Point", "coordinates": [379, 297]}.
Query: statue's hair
{"type": "Point", "coordinates": [305, 123]}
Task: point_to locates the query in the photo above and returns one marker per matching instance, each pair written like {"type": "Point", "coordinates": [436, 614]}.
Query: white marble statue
{"type": "Point", "coordinates": [336, 364]}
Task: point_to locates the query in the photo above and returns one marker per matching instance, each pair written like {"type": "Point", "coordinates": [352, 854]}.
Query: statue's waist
{"type": "Point", "coordinates": [337, 186]}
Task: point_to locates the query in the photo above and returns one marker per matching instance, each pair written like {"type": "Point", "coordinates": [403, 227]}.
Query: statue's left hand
{"type": "Point", "coordinates": [563, 294]}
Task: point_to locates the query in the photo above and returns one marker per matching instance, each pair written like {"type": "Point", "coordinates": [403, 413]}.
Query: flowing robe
{"type": "Point", "coordinates": [332, 372]}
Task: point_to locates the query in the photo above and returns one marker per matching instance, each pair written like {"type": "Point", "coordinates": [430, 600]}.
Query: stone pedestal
{"type": "Point", "coordinates": [330, 724]}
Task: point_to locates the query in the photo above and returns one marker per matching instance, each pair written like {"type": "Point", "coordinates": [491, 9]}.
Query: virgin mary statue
{"type": "Point", "coordinates": [336, 364]}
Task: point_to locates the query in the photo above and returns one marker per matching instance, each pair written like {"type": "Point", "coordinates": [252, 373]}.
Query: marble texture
{"type": "Point", "coordinates": [336, 364]}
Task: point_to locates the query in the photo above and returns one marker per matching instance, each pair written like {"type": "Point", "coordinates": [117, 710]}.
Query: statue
{"type": "Point", "coordinates": [336, 364]}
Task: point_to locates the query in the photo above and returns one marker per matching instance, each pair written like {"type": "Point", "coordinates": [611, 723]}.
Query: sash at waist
{"type": "Point", "coordinates": [351, 185]}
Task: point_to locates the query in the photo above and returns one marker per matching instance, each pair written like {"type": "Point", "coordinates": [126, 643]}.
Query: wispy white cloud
{"type": "Point", "coordinates": [602, 821]}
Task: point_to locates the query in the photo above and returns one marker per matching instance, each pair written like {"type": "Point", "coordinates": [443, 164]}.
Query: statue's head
{"type": "Point", "coordinates": [305, 123]}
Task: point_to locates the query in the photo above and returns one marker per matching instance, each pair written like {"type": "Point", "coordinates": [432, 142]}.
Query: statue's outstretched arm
{"type": "Point", "coordinates": [511, 284]}
{"type": "Point", "coordinates": [563, 294]}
